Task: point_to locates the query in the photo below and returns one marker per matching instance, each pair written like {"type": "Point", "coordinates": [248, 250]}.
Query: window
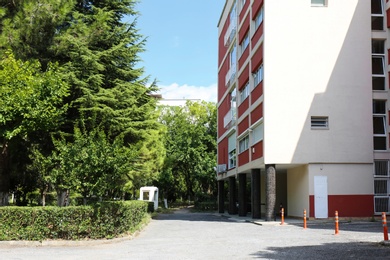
{"type": "Point", "coordinates": [244, 43]}
{"type": "Point", "coordinates": [232, 159]}
{"type": "Point", "coordinates": [377, 16]}
{"type": "Point", "coordinates": [379, 125]}
{"type": "Point", "coordinates": [242, 4]}
{"type": "Point", "coordinates": [232, 150]}
{"type": "Point", "coordinates": [244, 93]}
{"type": "Point", "coordinates": [318, 2]}
{"type": "Point", "coordinates": [258, 75]}
{"type": "Point", "coordinates": [381, 186]}
{"type": "Point", "coordinates": [378, 64]}
{"type": "Point", "coordinates": [259, 19]}
{"type": "Point", "coordinates": [319, 122]}
{"type": "Point", "coordinates": [243, 144]}
{"type": "Point", "coordinates": [257, 134]}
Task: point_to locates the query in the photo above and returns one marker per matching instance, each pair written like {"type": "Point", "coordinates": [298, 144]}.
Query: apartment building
{"type": "Point", "coordinates": [303, 111]}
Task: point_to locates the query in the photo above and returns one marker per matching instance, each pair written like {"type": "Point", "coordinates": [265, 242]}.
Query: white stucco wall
{"type": "Point", "coordinates": [344, 179]}
{"type": "Point", "coordinates": [298, 191]}
{"type": "Point", "coordinates": [317, 62]}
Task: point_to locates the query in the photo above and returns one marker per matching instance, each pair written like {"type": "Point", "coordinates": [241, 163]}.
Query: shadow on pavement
{"type": "Point", "coordinates": [327, 251]}
{"type": "Point", "coordinates": [375, 227]}
{"type": "Point", "coordinates": [209, 217]}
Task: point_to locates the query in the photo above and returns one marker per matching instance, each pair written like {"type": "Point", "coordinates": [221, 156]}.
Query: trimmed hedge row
{"type": "Point", "coordinates": [102, 220]}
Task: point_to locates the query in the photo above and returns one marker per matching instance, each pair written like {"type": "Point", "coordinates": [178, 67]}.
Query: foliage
{"type": "Point", "coordinates": [104, 220]}
{"type": "Point", "coordinates": [190, 141]}
{"type": "Point", "coordinates": [97, 54]}
{"type": "Point", "coordinates": [90, 164]}
{"type": "Point", "coordinates": [30, 100]}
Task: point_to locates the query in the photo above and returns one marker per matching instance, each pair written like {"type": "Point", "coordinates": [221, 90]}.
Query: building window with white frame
{"type": "Point", "coordinates": [257, 133]}
{"type": "Point", "coordinates": [259, 19]}
{"type": "Point", "coordinates": [241, 4]}
{"type": "Point", "coordinates": [232, 151]}
{"type": "Point", "coordinates": [243, 144]}
{"type": "Point", "coordinates": [244, 92]}
{"type": "Point", "coordinates": [378, 64]}
{"type": "Point", "coordinates": [377, 15]}
{"type": "Point", "coordinates": [244, 44]}
{"type": "Point", "coordinates": [258, 76]}
{"type": "Point", "coordinates": [379, 125]}
{"type": "Point", "coordinates": [318, 2]}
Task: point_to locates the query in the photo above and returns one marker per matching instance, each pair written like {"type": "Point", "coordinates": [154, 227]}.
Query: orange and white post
{"type": "Point", "coordinates": [384, 223]}
{"type": "Point", "coordinates": [282, 216]}
{"type": "Point", "coordinates": [336, 222]}
{"type": "Point", "coordinates": [304, 219]}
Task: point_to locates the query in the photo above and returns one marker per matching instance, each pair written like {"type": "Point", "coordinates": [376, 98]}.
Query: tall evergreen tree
{"type": "Point", "coordinates": [98, 54]}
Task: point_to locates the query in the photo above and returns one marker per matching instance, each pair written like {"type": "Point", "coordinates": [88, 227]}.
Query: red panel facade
{"type": "Point", "coordinates": [223, 151]}
{"type": "Point", "coordinates": [257, 58]}
{"type": "Point", "coordinates": [244, 29]}
{"type": "Point", "coordinates": [257, 113]}
{"type": "Point", "coordinates": [222, 111]}
{"type": "Point", "coordinates": [257, 150]}
{"type": "Point", "coordinates": [388, 18]}
{"type": "Point", "coordinates": [243, 78]}
{"type": "Point", "coordinates": [243, 10]}
{"type": "Point", "coordinates": [243, 125]}
{"type": "Point", "coordinates": [221, 79]}
{"type": "Point", "coordinates": [222, 49]}
{"type": "Point", "coordinates": [243, 158]}
{"type": "Point", "coordinates": [256, 7]}
{"type": "Point", "coordinates": [243, 107]}
{"type": "Point", "coordinates": [346, 205]}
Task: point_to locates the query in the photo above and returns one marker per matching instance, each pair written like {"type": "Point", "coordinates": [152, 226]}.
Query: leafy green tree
{"type": "Point", "coordinates": [97, 52]}
{"type": "Point", "coordinates": [191, 150]}
{"type": "Point", "coordinates": [30, 101]}
{"type": "Point", "coordinates": [91, 165]}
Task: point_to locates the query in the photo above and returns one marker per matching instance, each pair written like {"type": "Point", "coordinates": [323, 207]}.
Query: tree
{"type": "Point", "coordinates": [30, 100]}
{"type": "Point", "coordinates": [190, 141]}
{"type": "Point", "coordinates": [97, 53]}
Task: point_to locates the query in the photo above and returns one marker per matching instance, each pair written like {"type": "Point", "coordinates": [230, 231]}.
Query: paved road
{"type": "Point", "coordinates": [186, 235]}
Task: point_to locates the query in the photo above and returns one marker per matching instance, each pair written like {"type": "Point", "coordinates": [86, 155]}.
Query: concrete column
{"type": "Point", "coordinates": [270, 192]}
{"type": "Point", "coordinates": [256, 194]}
{"type": "Point", "coordinates": [232, 195]}
{"type": "Point", "coordinates": [221, 197]}
{"type": "Point", "coordinates": [242, 200]}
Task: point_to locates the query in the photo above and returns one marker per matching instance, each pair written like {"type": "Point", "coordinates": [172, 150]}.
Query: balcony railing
{"type": "Point", "coordinates": [230, 75]}
{"type": "Point", "coordinates": [230, 118]}
{"type": "Point", "coordinates": [231, 31]}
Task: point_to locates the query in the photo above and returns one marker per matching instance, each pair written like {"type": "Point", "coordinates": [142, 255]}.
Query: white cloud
{"type": "Point", "coordinates": [180, 92]}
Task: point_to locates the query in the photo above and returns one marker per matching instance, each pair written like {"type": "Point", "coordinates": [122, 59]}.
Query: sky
{"type": "Point", "coordinates": [182, 46]}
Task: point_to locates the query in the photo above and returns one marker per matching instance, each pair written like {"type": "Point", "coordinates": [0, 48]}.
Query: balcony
{"type": "Point", "coordinates": [230, 75]}
{"type": "Point", "coordinates": [230, 118]}
{"type": "Point", "coordinates": [230, 33]}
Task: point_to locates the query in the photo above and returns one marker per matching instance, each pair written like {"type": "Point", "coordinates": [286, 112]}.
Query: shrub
{"type": "Point", "coordinates": [102, 220]}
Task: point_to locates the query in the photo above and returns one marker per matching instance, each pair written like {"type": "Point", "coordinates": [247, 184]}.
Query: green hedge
{"type": "Point", "coordinates": [206, 206]}
{"type": "Point", "coordinates": [102, 220]}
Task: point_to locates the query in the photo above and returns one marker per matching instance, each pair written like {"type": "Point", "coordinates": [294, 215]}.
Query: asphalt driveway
{"type": "Point", "coordinates": [185, 235]}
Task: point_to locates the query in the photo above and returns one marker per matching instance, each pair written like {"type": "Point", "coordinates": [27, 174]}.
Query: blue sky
{"type": "Point", "coordinates": [182, 46]}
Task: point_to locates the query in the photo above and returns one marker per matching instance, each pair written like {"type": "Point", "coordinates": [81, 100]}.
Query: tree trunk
{"type": "Point", "coordinates": [4, 175]}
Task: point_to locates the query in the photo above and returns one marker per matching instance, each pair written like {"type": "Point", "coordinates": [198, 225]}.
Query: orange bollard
{"type": "Point", "coordinates": [336, 222]}
{"type": "Point", "coordinates": [304, 219]}
{"type": "Point", "coordinates": [282, 216]}
{"type": "Point", "coordinates": [384, 223]}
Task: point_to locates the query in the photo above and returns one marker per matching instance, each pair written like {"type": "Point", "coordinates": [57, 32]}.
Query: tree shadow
{"type": "Point", "coordinates": [327, 251]}
{"type": "Point", "coordinates": [372, 227]}
{"type": "Point", "coordinates": [208, 217]}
